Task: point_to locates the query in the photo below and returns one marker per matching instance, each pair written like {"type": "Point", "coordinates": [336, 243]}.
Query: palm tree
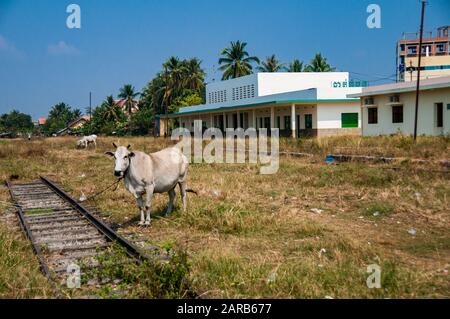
{"type": "Point", "coordinates": [195, 75]}
{"type": "Point", "coordinates": [236, 62]}
{"type": "Point", "coordinates": [76, 114]}
{"type": "Point", "coordinates": [318, 64]}
{"type": "Point", "coordinates": [175, 70]}
{"type": "Point", "coordinates": [112, 111]}
{"type": "Point", "coordinates": [272, 64]}
{"type": "Point", "coordinates": [127, 92]}
{"type": "Point", "coordinates": [295, 66]}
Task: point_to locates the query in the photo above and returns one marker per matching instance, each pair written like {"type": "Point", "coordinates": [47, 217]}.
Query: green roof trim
{"type": "Point", "coordinates": [222, 109]}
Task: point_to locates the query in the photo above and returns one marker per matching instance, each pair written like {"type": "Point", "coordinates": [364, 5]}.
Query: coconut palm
{"type": "Point", "coordinates": [127, 93]}
{"type": "Point", "coordinates": [112, 111]}
{"type": "Point", "coordinates": [295, 66]}
{"type": "Point", "coordinates": [76, 114]}
{"type": "Point", "coordinates": [195, 75]}
{"type": "Point", "coordinates": [318, 64]}
{"type": "Point", "coordinates": [271, 64]}
{"type": "Point", "coordinates": [236, 62]}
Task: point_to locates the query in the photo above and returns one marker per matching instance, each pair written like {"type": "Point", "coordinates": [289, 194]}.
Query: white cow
{"type": "Point", "coordinates": [86, 140]}
{"type": "Point", "coordinates": [146, 174]}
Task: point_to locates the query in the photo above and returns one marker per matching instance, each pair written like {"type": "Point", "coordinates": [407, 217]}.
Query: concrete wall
{"type": "Point", "coordinates": [228, 86]}
{"type": "Point", "coordinates": [426, 118]}
{"type": "Point", "coordinates": [282, 82]}
{"type": "Point", "coordinates": [329, 114]}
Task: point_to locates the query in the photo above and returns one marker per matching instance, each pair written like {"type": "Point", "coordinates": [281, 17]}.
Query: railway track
{"type": "Point", "coordinates": [62, 231]}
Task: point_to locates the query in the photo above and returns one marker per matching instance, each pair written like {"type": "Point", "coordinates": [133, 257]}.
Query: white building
{"type": "Point", "coordinates": [390, 108]}
{"type": "Point", "coordinates": [309, 104]}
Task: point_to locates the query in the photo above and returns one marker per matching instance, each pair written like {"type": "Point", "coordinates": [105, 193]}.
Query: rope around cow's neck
{"type": "Point", "coordinates": [116, 183]}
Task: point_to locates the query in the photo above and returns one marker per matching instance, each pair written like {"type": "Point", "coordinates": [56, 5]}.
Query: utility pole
{"type": "Point", "coordinates": [90, 105]}
{"type": "Point", "coordinates": [418, 69]}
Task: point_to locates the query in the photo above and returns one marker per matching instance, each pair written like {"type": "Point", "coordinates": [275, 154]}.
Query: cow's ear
{"type": "Point", "coordinates": [129, 145]}
{"type": "Point", "coordinates": [109, 153]}
{"type": "Point", "coordinates": [114, 144]}
{"type": "Point", "coordinates": [131, 154]}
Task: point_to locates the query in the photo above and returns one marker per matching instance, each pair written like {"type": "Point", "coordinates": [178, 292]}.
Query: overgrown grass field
{"type": "Point", "coordinates": [309, 231]}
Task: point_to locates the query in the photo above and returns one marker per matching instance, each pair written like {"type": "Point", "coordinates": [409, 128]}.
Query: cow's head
{"type": "Point", "coordinates": [122, 157]}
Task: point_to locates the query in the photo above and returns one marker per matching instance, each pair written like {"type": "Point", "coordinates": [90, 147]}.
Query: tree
{"type": "Point", "coordinates": [106, 119]}
{"type": "Point", "coordinates": [111, 112]}
{"type": "Point", "coordinates": [127, 92]}
{"type": "Point", "coordinates": [318, 64]}
{"type": "Point", "coordinates": [76, 113]}
{"type": "Point", "coordinates": [180, 82]}
{"type": "Point", "coordinates": [236, 62]}
{"type": "Point", "coordinates": [142, 121]}
{"type": "Point", "coordinates": [59, 117]}
{"type": "Point", "coordinates": [15, 122]}
{"type": "Point", "coordinates": [271, 64]}
{"type": "Point", "coordinates": [188, 98]}
{"type": "Point", "coordinates": [295, 66]}
{"type": "Point", "coordinates": [194, 75]}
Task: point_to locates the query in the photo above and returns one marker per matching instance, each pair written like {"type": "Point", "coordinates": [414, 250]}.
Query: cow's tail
{"type": "Point", "coordinates": [189, 190]}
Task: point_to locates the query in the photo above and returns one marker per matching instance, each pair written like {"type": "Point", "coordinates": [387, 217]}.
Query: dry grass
{"type": "Point", "coordinates": [252, 235]}
{"type": "Point", "coordinates": [20, 276]}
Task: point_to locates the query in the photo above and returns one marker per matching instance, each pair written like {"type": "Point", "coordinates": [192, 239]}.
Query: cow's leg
{"type": "Point", "coordinates": [172, 195]}
{"type": "Point", "coordinates": [148, 203]}
{"type": "Point", "coordinates": [140, 203]}
{"type": "Point", "coordinates": [183, 194]}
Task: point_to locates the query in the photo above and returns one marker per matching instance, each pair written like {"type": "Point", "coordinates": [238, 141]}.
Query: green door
{"type": "Point", "coordinates": [308, 121]}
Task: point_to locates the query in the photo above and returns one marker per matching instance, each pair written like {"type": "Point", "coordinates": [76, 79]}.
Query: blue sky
{"type": "Point", "coordinates": [42, 62]}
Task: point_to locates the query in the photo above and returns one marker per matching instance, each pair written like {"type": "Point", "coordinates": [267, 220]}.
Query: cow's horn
{"type": "Point", "coordinates": [114, 144]}
{"type": "Point", "coordinates": [129, 145]}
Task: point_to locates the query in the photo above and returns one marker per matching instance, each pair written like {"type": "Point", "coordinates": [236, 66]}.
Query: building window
{"type": "Point", "coordinates": [439, 114]}
{"type": "Point", "coordinates": [412, 50]}
{"type": "Point", "coordinates": [349, 120]}
{"type": "Point", "coordinates": [372, 115]}
{"type": "Point", "coordinates": [426, 50]}
{"type": "Point", "coordinates": [278, 122]}
{"type": "Point", "coordinates": [397, 114]}
{"type": "Point", "coordinates": [440, 48]}
{"type": "Point", "coordinates": [287, 122]}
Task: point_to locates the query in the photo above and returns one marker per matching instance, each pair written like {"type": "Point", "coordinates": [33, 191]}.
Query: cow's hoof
{"type": "Point", "coordinates": [141, 223]}
{"type": "Point", "coordinates": [147, 223]}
